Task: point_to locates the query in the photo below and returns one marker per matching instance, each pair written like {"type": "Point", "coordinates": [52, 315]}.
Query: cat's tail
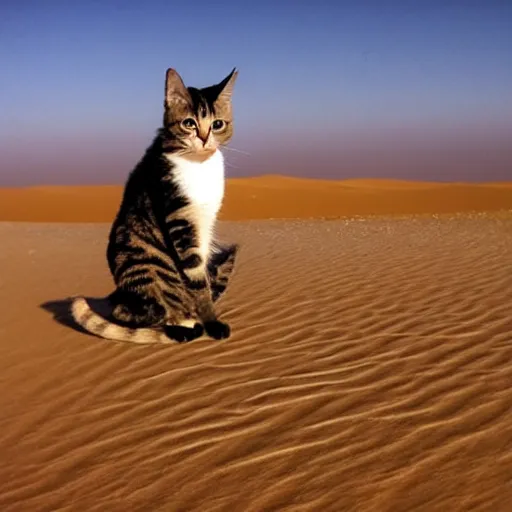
{"type": "Point", "coordinates": [94, 323]}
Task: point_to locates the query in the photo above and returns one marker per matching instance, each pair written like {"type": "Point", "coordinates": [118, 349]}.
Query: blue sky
{"type": "Point", "coordinates": [414, 90]}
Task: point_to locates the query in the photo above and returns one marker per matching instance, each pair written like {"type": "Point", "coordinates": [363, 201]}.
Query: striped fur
{"type": "Point", "coordinates": [161, 252]}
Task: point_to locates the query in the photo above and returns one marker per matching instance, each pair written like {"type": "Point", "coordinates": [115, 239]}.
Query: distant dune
{"type": "Point", "coordinates": [270, 196]}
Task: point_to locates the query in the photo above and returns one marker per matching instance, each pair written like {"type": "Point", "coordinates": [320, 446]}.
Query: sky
{"type": "Point", "coordinates": [328, 89]}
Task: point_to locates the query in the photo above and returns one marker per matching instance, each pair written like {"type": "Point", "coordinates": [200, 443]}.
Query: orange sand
{"type": "Point", "coordinates": [369, 367]}
{"type": "Point", "coordinates": [269, 197]}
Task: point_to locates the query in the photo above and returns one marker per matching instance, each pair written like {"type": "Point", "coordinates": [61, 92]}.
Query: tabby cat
{"type": "Point", "coordinates": [166, 266]}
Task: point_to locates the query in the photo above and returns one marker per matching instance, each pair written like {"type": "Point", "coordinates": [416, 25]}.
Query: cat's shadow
{"type": "Point", "coordinates": [61, 310]}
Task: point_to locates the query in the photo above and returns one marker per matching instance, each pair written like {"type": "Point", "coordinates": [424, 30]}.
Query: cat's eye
{"type": "Point", "coordinates": [188, 123]}
{"type": "Point", "coordinates": [218, 125]}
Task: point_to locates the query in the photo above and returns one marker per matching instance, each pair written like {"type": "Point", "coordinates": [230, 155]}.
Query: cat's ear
{"type": "Point", "coordinates": [224, 89]}
{"type": "Point", "coordinates": [175, 90]}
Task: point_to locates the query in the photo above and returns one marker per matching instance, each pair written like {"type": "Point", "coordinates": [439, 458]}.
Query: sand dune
{"type": "Point", "coordinates": [369, 370]}
{"type": "Point", "coordinates": [264, 197]}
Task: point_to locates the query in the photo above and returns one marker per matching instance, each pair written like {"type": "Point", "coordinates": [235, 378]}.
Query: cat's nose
{"type": "Point", "coordinates": [203, 135]}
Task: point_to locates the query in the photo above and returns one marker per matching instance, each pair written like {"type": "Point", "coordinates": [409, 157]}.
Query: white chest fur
{"type": "Point", "coordinates": [202, 183]}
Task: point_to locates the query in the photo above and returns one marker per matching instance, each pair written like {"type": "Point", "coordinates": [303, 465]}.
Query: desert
{"type": "Point", "coordinates": [368, 367]}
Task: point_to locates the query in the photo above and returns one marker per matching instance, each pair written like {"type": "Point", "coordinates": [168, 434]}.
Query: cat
{"type": "Point", "coordinates": [167, 268]}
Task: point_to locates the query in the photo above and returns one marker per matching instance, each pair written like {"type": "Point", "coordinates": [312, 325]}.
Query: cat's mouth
{"type": "Point", "coordinates": [198, 155]}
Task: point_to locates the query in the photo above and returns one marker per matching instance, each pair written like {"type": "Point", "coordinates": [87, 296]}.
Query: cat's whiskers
{"type": "Point", "coordinates": [236, 150]}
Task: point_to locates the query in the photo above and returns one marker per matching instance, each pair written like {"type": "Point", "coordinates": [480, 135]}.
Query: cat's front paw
{"type": "Point", "coordinates": [182, 334]}
{"type": "Point", "coordinates": [217, 330]}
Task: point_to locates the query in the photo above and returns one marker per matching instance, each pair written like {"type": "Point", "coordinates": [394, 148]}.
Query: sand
{"type": "Point", "coordinates": [369, 370]}
{"type": "Point", "coordinates": [267, 197]}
